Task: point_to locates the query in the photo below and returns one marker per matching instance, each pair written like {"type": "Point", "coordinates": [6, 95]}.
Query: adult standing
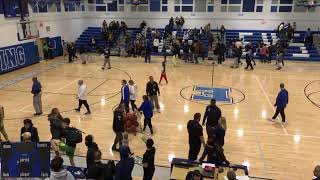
{"type": "Point", "coordinates": [92, 148]}
{"type": "Point", "coordinates": [36, 91]}
{"type": "Point", "coordinates": [211, 115]}
{"type": "Point", "coordinates": [281, 103]}
{"type": "Point", "coordinates": [133, 90]}
{"type": "Point", "coordinates": [28, 127]}
{"type": "Point", "coordinates": [146, 108]}
{"type": "Point", "coordinates": [55, 120]}
{"type": "Point", "coordinates": [2, 130]}
{"type": "Point", "coordinates": [222, 33]}
{"type": "Point", "coordinates": [118, 127]}
{"type": "Point", "coordinates": [195, 132]}
{"type": "Point", "coordinates": [125, 95]}
{"type": "Point", "coordinates": [148, 160]}
{"type": "Point", "coordinates": [82, 96]}
{"type": "Point", "coordinates": [153, 92]}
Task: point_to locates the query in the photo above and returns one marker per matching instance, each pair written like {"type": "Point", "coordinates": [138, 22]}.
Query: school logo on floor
{"type": "Point", "coordinates": [202, 93]}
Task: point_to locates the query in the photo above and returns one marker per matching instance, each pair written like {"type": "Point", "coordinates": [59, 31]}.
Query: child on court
{"type": "Point", "coordinates": [163, 72]}
{"type": "Point", "coordinates": [125, 142]}
{"type": "Point", "coordinates": [106, 58]}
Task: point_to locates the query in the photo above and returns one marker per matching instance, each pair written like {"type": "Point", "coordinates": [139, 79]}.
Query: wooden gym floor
{"type": "Point", "coordinates": [269, 150]}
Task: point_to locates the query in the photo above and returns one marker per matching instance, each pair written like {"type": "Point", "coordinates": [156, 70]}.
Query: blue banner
{"type": "Point", "coordinates": [18, 56]}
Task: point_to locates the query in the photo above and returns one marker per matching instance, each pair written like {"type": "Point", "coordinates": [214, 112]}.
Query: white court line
{"type": "Point", "coordinates": [48, 95]}
{"type": "Point", "coordinates": [265, 94]}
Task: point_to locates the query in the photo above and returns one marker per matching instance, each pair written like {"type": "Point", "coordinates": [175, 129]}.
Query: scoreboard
{"type": "Point", "coordinates": [26, 160]}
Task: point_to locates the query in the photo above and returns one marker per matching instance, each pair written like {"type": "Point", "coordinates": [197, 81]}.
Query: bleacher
{"type": "Point", "coordinates": [296, 50]}
{"type": "Point", "coordinates": [95, 32]}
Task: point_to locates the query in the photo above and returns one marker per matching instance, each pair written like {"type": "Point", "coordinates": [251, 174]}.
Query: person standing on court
{"type": "Point", "coordinates": [82, 96]}
{"type": "Point", "coordinates": [118, 127]}
{"type": "Point", "coordinates": [36, 91]}
{"type": "Point", "coordinates": [133, 90]}
{"type": "Point", "coordinates": [146, 108]}
{"type": "Point", "coordinates": [106, 58]}
{"type": "Point", "coordinates": [2, 130]}
{"type": "Point", "coordinates": [281, 103]}
{"type": "Point", "coordinates": [195, 132]}
{"type": "Point", "coordinates": [211, 115]}
{"type": "Point", "coordinates": [163, 72]}
{"type": "Point", "coordinates": [125, 95]}
{"type": "Point", "coordinates": [148, 160]}
{"type": "Point", "coordinates": [153, 91]}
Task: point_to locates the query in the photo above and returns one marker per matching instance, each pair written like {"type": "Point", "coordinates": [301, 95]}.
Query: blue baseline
{"type": "Point", "coordinates": [208, 93]}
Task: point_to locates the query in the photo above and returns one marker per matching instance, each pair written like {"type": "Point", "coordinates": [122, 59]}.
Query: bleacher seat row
{"type": "Point", "coordinates": [297, 49]}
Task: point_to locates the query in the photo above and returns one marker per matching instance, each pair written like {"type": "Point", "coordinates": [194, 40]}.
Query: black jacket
{"type": "Point", "coordinates": [92, 148]}
{"type": "Point", "coordinates": [100, 171]}
{"type": "Point", "coordinates": [148, 157]}
{"type": "Point", "coordinates": [219, 133]}
{"type": "Point", "coordinates": [33, 131]}
{"type": "Point", "coordinates": [152, 88]}
{"type": "Point", "coordinates": [212, 115]}
{"type": "Point", "coordinates": [118, 123]}
{"type": "Point", "coordinates": [55, 126]}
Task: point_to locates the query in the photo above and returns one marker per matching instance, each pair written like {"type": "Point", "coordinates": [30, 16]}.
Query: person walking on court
{"type": "Point", "coordinates": [106, 58]}
{"type": "Point", "coordinates": [146, 108]}
{"type": "Point", "coordinates": [195, 132]}
{"type": "Point", "coordinates": [281, 103]}
{"type": "Point", "coordinates": [2, 130]}
{"type": "Point", "coordinates": [153, 91]}
{"type": "Point", "coordinates": [36, 91]}
{"type": "Point", "coordinates": [163, 72]}
{"type": "Point", "coordinates": [133, 90]}
{"type": "Point", "coordinates": [82, 96]}
{"type": "Point", "coordinates": [125, 95]}
{"type": "Point", "coordinates": [118, 127]}
{"type": "Point", "coordinates": [148, 160]}
{"type": "Point", "coordinates": [211, 115]}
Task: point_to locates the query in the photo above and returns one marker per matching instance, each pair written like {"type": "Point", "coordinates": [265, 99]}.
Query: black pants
{"type": "Point", "coordinates": [220, 59]}
{"type": "Point", "coordinates": [133, 105]}
{"type": "Point", "coordinates": [70, 58]}
{"type": "Point", "coordinates": [281, 111]}
{"type": "Point", "coordinates": [249, 64]}
{"type": "Point", "coordinates": [194, 149]}
{"type": "Point", "coordinates": [85, 104]}
{"type": "Point", "coordinates": [147, 121]}
{"type": "Point", "coordinates": [118, 139]}
{"type": "Point", "coordinates": [148, 173]}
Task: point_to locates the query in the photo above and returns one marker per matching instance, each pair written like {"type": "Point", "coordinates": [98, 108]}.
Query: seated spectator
{"type": "Point", "coordinates": [316, 172]}
{"type": "Point", "coordinates": [99, 170]}
{"type": "Point", "coordinates": [214, 153]}
{"type": "Point", "coordinates": [194, 175]}
{"type": "Point", "coordinates": [28, 127]}
{"type": "Point", "coordinates": [125, 166]}
{"type": "Point", "coordinates": [92, 148]}
{"type": "Point", "coordinates": [55, 120]}
{"type": "Point", "coordinates": [231, 175]}
{"type": "Point", "coordinates": [57, 170]}
{"type": "Point", "coordinates": [71, 136]}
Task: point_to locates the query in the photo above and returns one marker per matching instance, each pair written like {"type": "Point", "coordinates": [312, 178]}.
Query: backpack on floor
{"type": "Point", "coordinates": [75, 135]}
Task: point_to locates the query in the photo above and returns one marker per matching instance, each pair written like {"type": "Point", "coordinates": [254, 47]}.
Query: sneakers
{"type": "Point", "coordinates": [37, 114]}
{"type": "Point", "coordinates": [102, 68]}
{"type": "Point", "coordinates": [283, 124]}
{"type": "Point", "coordinates": [77, 110]}
{"type": "Point", "coordinates": [159, 111]}
{"type": "Point", "coordinates": [87, 113]}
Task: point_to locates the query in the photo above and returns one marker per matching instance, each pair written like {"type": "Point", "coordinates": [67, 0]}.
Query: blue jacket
{"type": "Point", "coordinates": [282, 99]}
{"type": "Point", "coordinates": [36, 88]}
{"type": "Point", "coordinates": [146, 107]}
{"type": "Point", "coordinates": [125, 94]}
{"type": "Point", "coordinates": [125, 166]}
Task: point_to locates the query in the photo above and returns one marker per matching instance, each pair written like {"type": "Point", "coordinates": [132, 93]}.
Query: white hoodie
{"type": "Point", "coordinates": [61, 175]}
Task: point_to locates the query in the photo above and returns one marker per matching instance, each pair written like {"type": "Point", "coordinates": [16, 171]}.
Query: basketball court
{"type": "Point", "coordinates": [246, 99]}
